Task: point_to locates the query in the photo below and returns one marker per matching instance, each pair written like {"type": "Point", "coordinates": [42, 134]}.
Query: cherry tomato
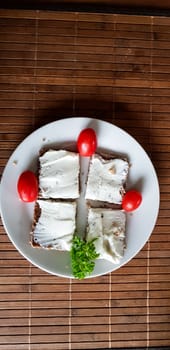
{"type": "Point", "coordinates": [27, 186]}
{"type": "Point", "coordinates": [87, 142]}
{"type": "Point", "coordinates": [131, 200]}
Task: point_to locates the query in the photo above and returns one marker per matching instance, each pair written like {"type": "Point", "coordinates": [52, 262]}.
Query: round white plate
{"type": "Point", "coordinates": [17, 216]}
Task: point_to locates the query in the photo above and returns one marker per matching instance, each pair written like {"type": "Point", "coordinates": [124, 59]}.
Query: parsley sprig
{"type": "Point", "coordinates": [83, 255]}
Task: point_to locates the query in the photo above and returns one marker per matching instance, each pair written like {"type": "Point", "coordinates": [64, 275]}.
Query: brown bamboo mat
{"type": "Point", "coordinates": [113, 67]}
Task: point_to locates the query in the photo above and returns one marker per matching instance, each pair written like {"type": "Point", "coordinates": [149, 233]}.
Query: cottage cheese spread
{"type": "Point", "coordinates": [56, 225]}
{"type": "Point", "coordinates": [59, 174]}
{"type": "Point", "coordinates": [106, 179]}
{"type": "Point", "coordinates": [108, 226]}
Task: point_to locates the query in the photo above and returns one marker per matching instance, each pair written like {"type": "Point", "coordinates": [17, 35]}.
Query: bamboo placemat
{"type": "Point", "coordinates": [113, 67]}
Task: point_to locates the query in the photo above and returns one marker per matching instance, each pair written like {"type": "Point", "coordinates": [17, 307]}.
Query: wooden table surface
{"type": "Point", "coordinates": [115, 68]}
{"type": "Point", "coordinates": [96, 4]}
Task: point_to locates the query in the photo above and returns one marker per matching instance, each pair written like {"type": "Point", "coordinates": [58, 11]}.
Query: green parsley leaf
{"type": "Point", "coordinates": [83, 255]}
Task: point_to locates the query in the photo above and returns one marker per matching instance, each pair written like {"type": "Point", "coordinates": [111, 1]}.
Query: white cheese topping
{"type": "Point", "coordinates": [59, 174]}
{"type": "Point", "coordinates": [108, 226]}
{"type": "Point", "coordinates": [56, 225]}
{"type": "Point", "coordinates": [106, 179]}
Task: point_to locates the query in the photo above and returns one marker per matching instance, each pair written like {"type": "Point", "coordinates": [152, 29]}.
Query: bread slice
{"type": "Point", "coordinates": [108, 227]}
{"type": "Point", "coordinates": [54, 224]}
{"type": "Point", "coordinates": [106, 179]}
{"type": "Point", "coordinates": [59, 174]}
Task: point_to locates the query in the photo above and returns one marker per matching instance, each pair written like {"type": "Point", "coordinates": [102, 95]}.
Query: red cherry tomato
{"type": "Point", "coordinates": [131, 200]}
{"type": "Point", "coordinates": [27, 186]}
{"type": "Point", "coordinates": [87, 142]}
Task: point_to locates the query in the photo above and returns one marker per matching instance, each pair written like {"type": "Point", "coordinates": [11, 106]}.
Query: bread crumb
{"type": "Point", "coordinates": [112, 170]}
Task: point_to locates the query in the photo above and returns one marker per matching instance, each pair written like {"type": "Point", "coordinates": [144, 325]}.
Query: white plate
{"type": "Point", "coordinates": [17, 216]}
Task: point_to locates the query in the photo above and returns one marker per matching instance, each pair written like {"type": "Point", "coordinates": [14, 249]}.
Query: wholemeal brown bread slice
{"type": "Point", "coordinates": [59, 171]}
{"type": "Point", "coordinates": [107, 227]}
{"type": "Point", "coordinates": [54, 224]}
{"type": "Point", "coordinates": [106, 180]}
